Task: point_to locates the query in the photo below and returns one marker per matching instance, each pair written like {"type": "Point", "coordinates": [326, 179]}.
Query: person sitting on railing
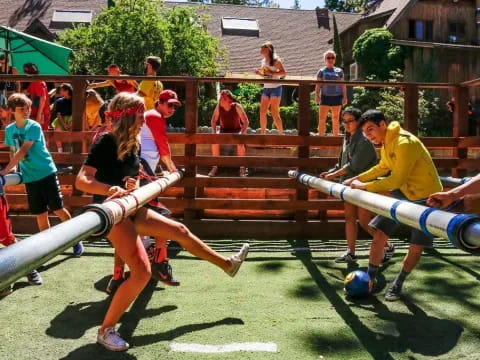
{"type": "Point", "coordinates": [149, 89]}
{"type": "Point", "coordinates": [126, 85]}
{"type": "Point", "coordinates": [7, 238]}
{"type": "Point", "coordinates": [63, 108]}
{"type": "Point", "coordinates": [465, 197]}
{"type": "Point", "coordinates": [358, 155]}
{"type": "Point", "coordinates": [93, 103]}
{"type": "Point", "coordinates": [410, 175]}
{"type": "Point", "coordinates": [233, 120]}
{"type": "Point", "coordinates": [111, 170]}
{"type": "Point", "coordinates": [330, 96]}
{"type": "Point", "coordinates": [39, 174]}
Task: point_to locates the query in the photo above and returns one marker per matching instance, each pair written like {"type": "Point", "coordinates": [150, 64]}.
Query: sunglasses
{"type": "Point", "coordinates": [330, 58]}
{"type": "Point", "coordinates": [172, 106]}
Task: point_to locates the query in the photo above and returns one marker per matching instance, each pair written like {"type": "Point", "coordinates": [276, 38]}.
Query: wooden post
{"type": "Point", "coordinates": [303, 125]}
{"type": "Point", "coordinates": [460, 125]}
{"type": "Point", "coordinates": [78, 108]}
{"type": "Point", "coordinates": [191, 124]}
{"type": "Point", "coordinates": [410, 109]}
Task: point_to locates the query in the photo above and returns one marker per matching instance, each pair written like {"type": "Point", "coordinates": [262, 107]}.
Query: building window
{"type": "Point", "coordinates": [420, 30]}
{"type": "Point", "coordinates": [456, 33]}
{"type": "Point", "coordinates": [240, 26]}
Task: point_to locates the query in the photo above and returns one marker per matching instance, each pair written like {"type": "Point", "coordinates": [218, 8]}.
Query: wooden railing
{"type": "Point", "coordinates": [269, 207]}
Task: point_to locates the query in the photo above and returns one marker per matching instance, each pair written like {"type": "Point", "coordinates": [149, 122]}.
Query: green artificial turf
{"type": "Point", "coordinates": [294, 300]}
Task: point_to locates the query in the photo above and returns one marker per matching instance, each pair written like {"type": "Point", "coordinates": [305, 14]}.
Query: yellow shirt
{"type": "Point", "coordinates": [151, 89]}
{"type": "Point", "coordinates": [91, 113]}
{"type": "Point", "coordinates": [409, 163]}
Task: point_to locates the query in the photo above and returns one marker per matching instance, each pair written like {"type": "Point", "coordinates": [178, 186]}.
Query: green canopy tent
{"type": "Point", "coordinates": [20, 48]}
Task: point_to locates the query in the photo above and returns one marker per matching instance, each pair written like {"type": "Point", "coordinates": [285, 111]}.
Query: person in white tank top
{"type": "Point", "coordinates": [271, 68]}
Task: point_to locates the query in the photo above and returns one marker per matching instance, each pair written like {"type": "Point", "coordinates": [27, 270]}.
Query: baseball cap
{"type": "Point", "coordinates": [169, 96]}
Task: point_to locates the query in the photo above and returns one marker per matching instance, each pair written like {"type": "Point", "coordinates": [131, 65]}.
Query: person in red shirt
{"type": "Point", "coordinates": [233, 120]}
{"type": "Point", "coordinates": [119, 85]}
{"type": "Point", "coordinates": [38, 93]}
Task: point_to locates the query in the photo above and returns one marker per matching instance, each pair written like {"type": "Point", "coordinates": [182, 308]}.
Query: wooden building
{"type": "Point", "coordinates": [443, 37]}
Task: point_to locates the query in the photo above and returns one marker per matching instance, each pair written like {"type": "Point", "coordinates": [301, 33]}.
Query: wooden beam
{"type": "Point", "coordinates": [460, 126]}
{"type": "Point", "coordinates": [191, 124]}
{"type": "Point", "coordinates": [410, 109]}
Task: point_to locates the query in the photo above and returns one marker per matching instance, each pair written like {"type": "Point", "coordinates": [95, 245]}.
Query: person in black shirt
{"type": "Point", "coordinates": [111, 169]}
{"type": "Point", "coordinates": [6, 88]}
{"type": "Point", "coordinates": [63, 108]}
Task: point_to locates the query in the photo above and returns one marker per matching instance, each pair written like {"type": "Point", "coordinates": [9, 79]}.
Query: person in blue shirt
{"type": "Point", "coordinates": [39, 174]}
{"type": "Point", "coordinates": [330, 96]}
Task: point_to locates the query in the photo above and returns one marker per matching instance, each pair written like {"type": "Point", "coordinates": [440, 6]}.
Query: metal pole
{"type": "Point", "coordinates": [451, 182]}
{"type": "Point", "coordinates": [463, 230]}
{"type": "Point", "coordinates": [24, 256]}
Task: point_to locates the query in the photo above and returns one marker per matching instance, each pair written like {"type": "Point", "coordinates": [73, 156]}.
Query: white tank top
{"type": "Point", "coordinates": [274, 76]}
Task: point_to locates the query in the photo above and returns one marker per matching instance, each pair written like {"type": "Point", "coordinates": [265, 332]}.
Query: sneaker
{"type": "Point", "coordinates": [112, 340]}
{"type": "Point", "coordinates": [113, 285]}
{"type": "Point", "coordinates": [162, 271]}
{"type": "Point", "coordinates": [78, 249]}
{"type": "Point", "coordinates": [389, 251]}
{"type": "Point", "coordinates": [394, 293]}
{"type": "Point", "coordinates": [34, 278]}
{"type": "Point", "coordinates": [346, 258]}
{"type": "Point", "coordinates": [213, 171]}
{"type": "Point", "coordinates": [237, 259]}
{"type": "Point", "coordinates": [6, 291]}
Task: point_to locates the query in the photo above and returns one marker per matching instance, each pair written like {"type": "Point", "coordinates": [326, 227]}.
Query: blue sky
{"type": "Point", "coordinates": [304, 4]}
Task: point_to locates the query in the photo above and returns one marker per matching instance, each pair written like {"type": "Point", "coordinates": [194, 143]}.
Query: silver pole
{"type": "Point", "coordinates": [24, 256]}
{"type": "Point", "coordinates": [463, 230]}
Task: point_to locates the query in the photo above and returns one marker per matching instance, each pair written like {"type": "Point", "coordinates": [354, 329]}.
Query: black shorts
{"type": "Point", "coordinates": [390, 227]}
{"type": "Point", "coordinates": [44, 195]}
{"type": "Point", "coordinates": [331, 100]}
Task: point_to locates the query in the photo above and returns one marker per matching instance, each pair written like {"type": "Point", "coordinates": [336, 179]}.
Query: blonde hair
{"type": "Point", "coordinates": [94, 97]}
{"type": "Point", "coordinates": [123, 129]}
{"type": "Point", "coordinates": [329, 52]}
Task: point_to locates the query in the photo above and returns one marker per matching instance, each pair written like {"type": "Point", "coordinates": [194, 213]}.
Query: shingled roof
{"type": "Point", "coordinates": [296, 35]}
{"type": "Point", "coordinates": [385, 7]}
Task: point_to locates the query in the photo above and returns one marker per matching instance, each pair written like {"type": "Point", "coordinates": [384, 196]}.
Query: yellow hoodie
{"type": "Point", "coordinates": [409, 163]}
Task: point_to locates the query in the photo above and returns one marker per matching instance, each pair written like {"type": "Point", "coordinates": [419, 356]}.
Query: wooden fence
{"type": "Point", "coordinates": [269, 206]}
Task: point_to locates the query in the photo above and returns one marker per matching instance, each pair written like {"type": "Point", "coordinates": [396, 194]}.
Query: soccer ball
{"type": "Point", "coordinates": [358, 284]}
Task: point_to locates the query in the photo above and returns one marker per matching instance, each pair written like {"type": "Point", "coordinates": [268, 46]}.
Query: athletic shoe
{"type": "Point", "coordinates": [113, 285]}
{"type": "Point", "coordinates": [388, 254]}
{"type": "Point", "coordinates": [213, 171]}
{"type": "Point", "coordinates": [78, 249]}
{"type": "Point", "coordinates": [162, 271]}
{"type": "Point", "coordinates": [34, 278]}
{"type": "Point", "coordinates": [394, 293]}
{"type": "Point", "coordinates": [112, 340]}
{"type": "Point", "coordinates": [6, 291]}
{"type": "Point", "coordinates": [237, 259]}
{"type": "Point", "coordinates": [346, 258]}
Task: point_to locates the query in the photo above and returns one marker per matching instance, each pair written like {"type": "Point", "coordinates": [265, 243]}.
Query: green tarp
{"type": "Point", "coordinates": [51, 59]}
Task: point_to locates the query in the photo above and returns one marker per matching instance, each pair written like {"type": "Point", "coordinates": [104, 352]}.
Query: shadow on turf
{"type": "Point", "coordinates": [76, 319]}
{"type": "Point", "coordinates": [416, 331]}
{"type": "Point", "coordinates": [97, 352]}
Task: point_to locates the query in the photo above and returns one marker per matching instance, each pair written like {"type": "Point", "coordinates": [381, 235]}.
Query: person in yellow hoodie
{"type": "Point", "coordinates": [409, 175]}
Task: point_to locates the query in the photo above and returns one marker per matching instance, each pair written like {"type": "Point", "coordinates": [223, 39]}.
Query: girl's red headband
{"type": "Point", "coordinates": [126, 112]}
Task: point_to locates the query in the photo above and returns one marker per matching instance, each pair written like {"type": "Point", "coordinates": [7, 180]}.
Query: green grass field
{"type": "Point", "coordinates": [293, 300]}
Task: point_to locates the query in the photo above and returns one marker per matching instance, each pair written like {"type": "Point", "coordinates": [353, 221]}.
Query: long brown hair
{"type": "Point", "coordinates": [271, 52]}
{"type": "Point", "coordinates": [123, 129]}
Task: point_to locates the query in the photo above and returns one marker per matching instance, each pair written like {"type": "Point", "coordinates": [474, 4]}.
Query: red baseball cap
{"type": "Point", "coordinates": [169, 96]}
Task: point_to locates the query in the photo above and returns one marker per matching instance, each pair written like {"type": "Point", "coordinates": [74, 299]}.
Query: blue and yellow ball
{"type": "Point", "coordinates": [358, 284]}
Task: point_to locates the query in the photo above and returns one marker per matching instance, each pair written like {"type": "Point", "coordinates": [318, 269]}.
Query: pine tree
{"type": "Point", "coordinates": [296, 4]}
{"type": "Point", "coordinates": [337, 46]}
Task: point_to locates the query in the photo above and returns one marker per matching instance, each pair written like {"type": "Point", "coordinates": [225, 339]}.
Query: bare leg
{"type": "Point", "coordinates": [364, 217]}
{"type": "Point", "coordinates": [148, 222]}
{"type": "Point", "coordinates": [336, 119]}
{"type": "Point", "coordinates": [351, 230]}
{"type": "Point", "coordinates": [412, 258]}
{"type": "Point", "coordinates": [264, 105]}
{"type": "Point", "coordinates": [129, 247]}
{"type": "Point", "coordinates": [377, 251]}
{"type": "Point", "coordinates": [322, 119]}
{"type": "Point", "coordinates": [42, 221]}
{"type": "Point", "coordinates": [63, 214]}
{"type": "Point", "coordinates": [275, 110]}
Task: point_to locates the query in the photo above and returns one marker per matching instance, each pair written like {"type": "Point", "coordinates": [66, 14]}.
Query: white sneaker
{"type": "Point", "coordinates": [237, 260]}
{"type": "Point", "coordinates": [112, 340]}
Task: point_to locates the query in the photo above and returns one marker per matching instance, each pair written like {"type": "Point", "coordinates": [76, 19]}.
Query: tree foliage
{"type": "Point", "coordinates": [134, 29]}
{"type": "Point", "coordinates": [346, 5]}
{"type": "Point", "coordinates": [375, 53]}
{"type": "Point", "coordinates": [296, 4]}
{"type": "Point", "coordinates": [337, 45]}
{"type": "Point", "coordinates": [264, 3]}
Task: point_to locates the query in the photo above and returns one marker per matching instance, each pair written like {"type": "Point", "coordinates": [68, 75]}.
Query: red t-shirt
{"type": "Point", "coordinates": [230, 120]}
{"type": "Point", "coordinates": [158, 126]}
{"type": "Point", "coordinates": [35, 90]}
{"type": "Point", "coordinates": [123, 86]}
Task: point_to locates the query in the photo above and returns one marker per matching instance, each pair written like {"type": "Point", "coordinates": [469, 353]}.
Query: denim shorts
{"type": "Point", "coordinates": [272, 92]}
{"type": "Point", "coordinates": [390, 227]}
{"type": "Point", "coordinates": [331, 100]}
